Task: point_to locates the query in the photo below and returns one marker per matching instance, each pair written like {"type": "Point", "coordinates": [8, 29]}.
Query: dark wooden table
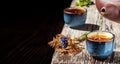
{"type": "Point", "coordinates": [94, 22]}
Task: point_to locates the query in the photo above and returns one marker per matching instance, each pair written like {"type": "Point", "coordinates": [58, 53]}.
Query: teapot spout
{"type": "Point", "coordinates": [110, 11]}
{"type": "Point", "coordinates": [103, 11]}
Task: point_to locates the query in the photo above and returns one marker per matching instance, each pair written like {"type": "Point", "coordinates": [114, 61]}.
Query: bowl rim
{"type": "Point", "coordinates": [113, 36]}
{"type": "Point", "coordinates": [64, 10]}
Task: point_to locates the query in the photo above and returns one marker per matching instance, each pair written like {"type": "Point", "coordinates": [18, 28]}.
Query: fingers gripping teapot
{"type": "Point", "coordinates": [110, 9]}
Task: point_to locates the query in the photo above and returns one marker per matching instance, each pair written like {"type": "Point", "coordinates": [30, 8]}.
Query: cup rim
{"type": "Point", "coordinates": [113, 36]}
{"type": "Point", "coordinates": [85, 10]}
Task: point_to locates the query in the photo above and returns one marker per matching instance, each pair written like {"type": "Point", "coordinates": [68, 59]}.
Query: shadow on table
{"type": "Point", "coordinates": [114, 58]}
{"type": "Point", "coordinates": [87, 27]}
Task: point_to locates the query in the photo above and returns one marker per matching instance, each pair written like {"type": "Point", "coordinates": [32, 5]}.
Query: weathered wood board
{"type": "Point", "coordinates": [94, 22]}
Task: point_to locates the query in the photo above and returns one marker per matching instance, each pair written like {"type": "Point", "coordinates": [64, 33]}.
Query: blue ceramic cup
{"type": "Point", "coordinates": [100, 44]}
{"type": "Point", "coordinates": [75, 17]}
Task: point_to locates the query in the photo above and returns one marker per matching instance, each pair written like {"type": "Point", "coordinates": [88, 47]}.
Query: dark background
{"type": "Point", "coordinates": [27, 27]}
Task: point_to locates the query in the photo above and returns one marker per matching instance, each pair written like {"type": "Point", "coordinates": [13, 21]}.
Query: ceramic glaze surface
{"type": "Point", "coordinates": [76, 18]}
{"type": "Point", "coordinates": [110, 9]}
{"type": "Point", "coordinates": [100, 49]}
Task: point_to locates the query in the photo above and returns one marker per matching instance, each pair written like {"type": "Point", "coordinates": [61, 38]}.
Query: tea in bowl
{"type": "Point", "coordinates": [100, 45]}
{"type": "Point", "coordinates": [75, 17]}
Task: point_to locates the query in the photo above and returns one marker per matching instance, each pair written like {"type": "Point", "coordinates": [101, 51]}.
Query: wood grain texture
{"type": "Point", "coordinates": [94, 22]}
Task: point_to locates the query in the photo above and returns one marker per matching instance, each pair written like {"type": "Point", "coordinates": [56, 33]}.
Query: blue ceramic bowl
{"type": "Point", "coordinates": [100, 49]}
{"type": "Point", "coordinates": [74, 17]}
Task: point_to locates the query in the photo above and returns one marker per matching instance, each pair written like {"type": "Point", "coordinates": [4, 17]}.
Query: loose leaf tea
{"type": "Point", "coordinates": [64, 44]}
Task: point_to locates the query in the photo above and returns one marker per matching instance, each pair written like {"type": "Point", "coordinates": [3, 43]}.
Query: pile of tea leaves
{"type": "Point", "coordinates": [64, 44]}
{"type": "Point", "coordinates": [84, 3]}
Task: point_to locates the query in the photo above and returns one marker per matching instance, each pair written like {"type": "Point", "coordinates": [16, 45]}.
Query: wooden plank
{"type": "Point", "coordinates": [94, 22]}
